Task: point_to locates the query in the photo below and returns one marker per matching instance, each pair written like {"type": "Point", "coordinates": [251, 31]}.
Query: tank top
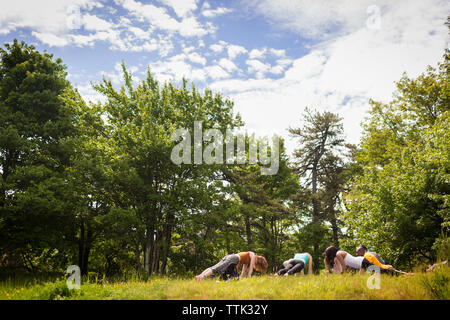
{"type": "Point", "coordinates": [353, 262]}
{"type": "Point", "coordinates": [244, 258]}
{"type": "Point", "coordinates": [301, 256]}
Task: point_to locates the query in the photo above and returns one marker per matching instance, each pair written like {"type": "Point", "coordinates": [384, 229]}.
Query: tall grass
{"type": "Point", "coordinates": [434, 285]}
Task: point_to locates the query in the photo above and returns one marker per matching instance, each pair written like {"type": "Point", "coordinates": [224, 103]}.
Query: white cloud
{"type": "Point", "coordinates": [61, 22]}
{"type": "Point", "coordinates": [139, 33]}
{"type": "Point", "coordinates": [228, 65]}
{"type": "Point", "coordinates": [177, 67]}
{"type": "Point", "coordinates": [218, 47]}
{"type": "Point", "coordinates": [257, 54]}
{"type": "Point", "coordinates": [44, 17]}
{"type": "Point", "coordinates": [212, 13]}
{"type": "Point", "coordinates": [182, 8]}
{"type": "Point", "coordinates": [216, 72]}
{"type": "Point", "coordinates": [232, 50]}
{"type": "Point", "coordinates": [50, 39]}
{"type": "Point", "coordinates": [278, 52]}
{"type": "Point", "coordinates": [317, 19]}
{"type": "Point", "coordinates": [258, 67]}
{"type": "Point", "coordinates": [235, 50]}
{"type": "Point", "coordinates": [94, 23]}
{"type": "Point", "coordinates": [159, 18]}
{"type": "Point", "coordinates": [343, 73]}
{"type": "Point", "coordinates": [196, 58]}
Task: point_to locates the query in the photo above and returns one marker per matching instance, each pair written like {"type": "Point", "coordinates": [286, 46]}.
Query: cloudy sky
{"type": "Point", "coordinates": [272, 58]}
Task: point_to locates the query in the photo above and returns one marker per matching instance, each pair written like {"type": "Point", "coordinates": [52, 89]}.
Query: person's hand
{"type": "Point", "coordinates": [390, 267]}
{"type": "Point", "coordinates": [275, 275]}
{"type": "Point", "coordinates": [286, 274]}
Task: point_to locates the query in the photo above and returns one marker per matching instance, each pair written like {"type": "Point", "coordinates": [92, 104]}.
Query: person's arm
{"type": "Point", "coordinates": [373, 260]}
{"type": "Point", "coordinates": [310, 264]}
{"type": "Point", "coordinates": [244, 270]}
{"type": "Point", "coordinates": [252, 263]}
{"type": "Point", "coordinates": [326, 265]}
{"type": "Point", "coordinates": [340, 262]}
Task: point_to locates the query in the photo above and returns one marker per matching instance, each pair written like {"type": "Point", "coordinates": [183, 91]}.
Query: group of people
{"type": "Point", "coordinates": [338, 260]}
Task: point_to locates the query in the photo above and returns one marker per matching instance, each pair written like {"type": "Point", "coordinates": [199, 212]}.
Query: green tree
{"type": "Point", "coordinates": [398, 202]}
{"type": "Point", "coordinates": [320, 137]}
{"type": "Point", "coordinates": [141, 121]}
{"type": "Point", "coordinates": [35, 148]}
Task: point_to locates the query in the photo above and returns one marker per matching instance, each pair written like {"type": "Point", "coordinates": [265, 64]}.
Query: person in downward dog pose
{"type": "Point", "coordinates": [342, 259]}
{"type": "Point", "coordinates": [295, 265]}
{"type": "Point", "coordinates": [247, 261]}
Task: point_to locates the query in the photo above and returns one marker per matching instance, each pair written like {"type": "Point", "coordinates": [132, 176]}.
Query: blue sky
{"type": "Point", "coordinates": [272, 58]}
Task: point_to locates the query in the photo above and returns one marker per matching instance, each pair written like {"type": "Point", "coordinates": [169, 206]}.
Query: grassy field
{"type": "Point", "coordinates": [435, 285]}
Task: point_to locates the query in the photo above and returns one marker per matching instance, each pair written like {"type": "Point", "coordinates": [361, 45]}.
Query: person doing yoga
{"type": "Point", "coordinates": [296, 265]}
{"type": "Point", "coordinates": [248, 261]}
{"type": "Point", "coordinates": [372, 258]}
{"type": "Point", "coordinates": [342, 259]}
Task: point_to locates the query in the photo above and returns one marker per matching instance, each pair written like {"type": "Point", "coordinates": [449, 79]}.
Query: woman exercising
{"type": "Point", "coordinates": [343, 259]}
{"type": "Point", "coordinates": [295, 265]}
{"type": "Point", "coordinates": [245, 260]}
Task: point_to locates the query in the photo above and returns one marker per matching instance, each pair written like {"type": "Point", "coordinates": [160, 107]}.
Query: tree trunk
{"type": "Point", "coordinates": [156, 252]}
{"type": "Point", "coordinates": [137, 253]}
{"type": "Point", "coordinates": [84, 247]}
{"type": "Point", "coordinates": [167, 241]}
{"type": "Point", "coordinates": [148, 250]}
{"type": "Point", "coordinates": [248, 232]}
{"type": "Point", "coordinates": [335, 229]}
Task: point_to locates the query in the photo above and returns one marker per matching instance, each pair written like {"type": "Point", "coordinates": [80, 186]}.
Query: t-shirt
{"type": "Point", "coordinates": [373, 260]}
{"type": "Point", "coordinates": [301, 256]}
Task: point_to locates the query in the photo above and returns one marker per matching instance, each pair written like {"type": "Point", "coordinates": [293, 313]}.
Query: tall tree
{"type": "Point", "coordinates": [141, 121]}
{"type": "Point", "coordinates": [399, 198]}
{"type": "Point", "coordinates": [321, 134]}
{"type": "Point", "coordinates": [35, 148]}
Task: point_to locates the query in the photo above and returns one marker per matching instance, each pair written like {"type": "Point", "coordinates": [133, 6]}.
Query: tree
{"type": "Point", "coordinates": [35, 148]}
{"type": "Point", "coordinates": [265, 204]}
{"type": "Point", "coordinates": [141, 121]}
{"type": "Point", "coordinates": [398, 202]}
{"type": "Point", "coordinates": [321, 136]}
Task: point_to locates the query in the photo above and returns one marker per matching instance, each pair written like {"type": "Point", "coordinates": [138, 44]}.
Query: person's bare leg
{"type": "Point", "coordinates": [206, 273]}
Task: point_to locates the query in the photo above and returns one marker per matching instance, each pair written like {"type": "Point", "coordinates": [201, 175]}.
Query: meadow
{"type": "Point", "coordinates": [420, 286]}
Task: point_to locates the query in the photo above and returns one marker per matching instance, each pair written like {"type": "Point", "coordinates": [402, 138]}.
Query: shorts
{"type": "Point", "coordinates": [225, 263]}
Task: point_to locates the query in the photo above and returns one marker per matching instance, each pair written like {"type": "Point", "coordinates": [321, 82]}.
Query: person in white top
{"type": "Point", "coordinates": [333, 256]}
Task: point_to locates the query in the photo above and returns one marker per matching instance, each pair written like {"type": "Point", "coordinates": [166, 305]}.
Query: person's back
{"type": "Point", "coordinates": [376, 255]}
{"type": "Point", "coordinates": [244, 257]}
{"type": "Point", "coordinates": [302, 257]}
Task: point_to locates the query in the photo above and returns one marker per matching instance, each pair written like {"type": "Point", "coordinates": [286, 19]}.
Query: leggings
{"type": "Point", "coordinates": [291, 266]}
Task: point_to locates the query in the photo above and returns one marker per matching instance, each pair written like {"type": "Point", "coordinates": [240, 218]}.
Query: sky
{"type": "Point", "coordinates": [271, 58]}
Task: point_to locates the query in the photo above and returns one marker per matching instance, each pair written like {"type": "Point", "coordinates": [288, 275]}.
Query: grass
{"type": "Point", "coordinates": [421, 286]}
